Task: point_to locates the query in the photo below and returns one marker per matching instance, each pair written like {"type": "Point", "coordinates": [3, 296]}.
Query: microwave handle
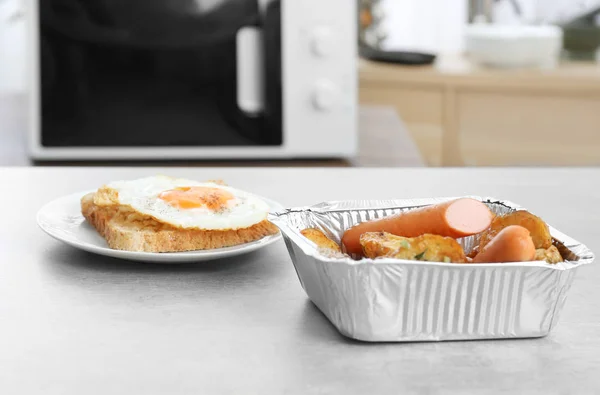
{"type": "Point", "coordinates": [250, 70]}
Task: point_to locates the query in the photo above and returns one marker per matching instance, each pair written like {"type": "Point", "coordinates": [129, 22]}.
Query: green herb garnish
{"type": "Point", "coordinates": [420, 256]}
{"type": "Point", "coordinates": [405, 244]}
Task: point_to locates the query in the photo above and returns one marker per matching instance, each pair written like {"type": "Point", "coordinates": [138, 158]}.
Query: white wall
{"type": "Point", "coordinates": [412, 25]}
{"type": "Point", "coordinates": [549, 11]}
{"type": "Point", "coordinates": [436, 25]}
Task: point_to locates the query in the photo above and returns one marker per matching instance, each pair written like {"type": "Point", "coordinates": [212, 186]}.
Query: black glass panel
{"type": "Point", "coordinates": [152, 73]}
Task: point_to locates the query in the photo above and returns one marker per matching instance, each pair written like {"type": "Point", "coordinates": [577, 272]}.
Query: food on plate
{"type": "Point", "coordinates": [428, 247]}
{"type": "Point", "coordinates": [512, 244]}
{"type": "Point", "coordinates": [164, 214]}
{"type": "Point", "coordinates": [455, 218]}
{"type": "Point", "coordinates": [550, 255]}
{"type": "Point", "coordinates": [320, 239]}
{"type": "Point", "coordinates": [540, 233]}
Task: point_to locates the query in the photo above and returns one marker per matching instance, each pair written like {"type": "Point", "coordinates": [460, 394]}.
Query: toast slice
{"type": "Point", "coordinates": [131, 232]}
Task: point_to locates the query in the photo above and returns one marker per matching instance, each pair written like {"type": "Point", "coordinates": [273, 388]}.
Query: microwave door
{"type": "Point", "coordinates": [156, 73]}
{"type": "Point", "coordinates": [259, 95]}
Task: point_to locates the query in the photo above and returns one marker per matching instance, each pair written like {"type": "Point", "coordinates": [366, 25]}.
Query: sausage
{"type": "Point", "coordinates": [511, 244]}
{"type": "Point", "coordinates": [455, 218]}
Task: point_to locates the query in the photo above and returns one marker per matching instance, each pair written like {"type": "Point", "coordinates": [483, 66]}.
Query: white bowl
{"type": "Point", "coordinates": [510, 46]}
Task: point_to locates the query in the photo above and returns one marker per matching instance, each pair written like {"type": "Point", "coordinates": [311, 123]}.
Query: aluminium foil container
{"type": "Point", "coordinates": [400, 300]}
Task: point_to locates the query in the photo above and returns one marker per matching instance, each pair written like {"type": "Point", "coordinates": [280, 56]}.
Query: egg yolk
{"type": "Point", "coordinates": [214, 199]}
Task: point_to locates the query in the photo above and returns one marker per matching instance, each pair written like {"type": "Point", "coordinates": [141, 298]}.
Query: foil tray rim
{"type": "Point", "coordinates": [585, 254]}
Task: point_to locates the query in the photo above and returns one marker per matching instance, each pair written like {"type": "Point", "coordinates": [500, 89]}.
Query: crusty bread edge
{"type": "Point", "coordinates": [122, 235]}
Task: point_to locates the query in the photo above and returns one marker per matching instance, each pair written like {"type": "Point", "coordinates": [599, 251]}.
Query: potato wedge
{"type": "Point", "coordinates": [550, 255]}
{"type": "Point", "coordinates": [430, 248]}
{"type": "Point", "coordinates": [540, 233]}
{"type": "Point", "coordinates": [320, 239]}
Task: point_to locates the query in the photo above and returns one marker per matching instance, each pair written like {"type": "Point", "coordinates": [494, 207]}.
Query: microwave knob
{"type": "Point", "coordinates": [325, 95]}
{"type": "Point", "coordinates": [321, 42]}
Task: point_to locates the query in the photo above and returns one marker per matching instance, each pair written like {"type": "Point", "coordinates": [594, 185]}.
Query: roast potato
{"type": "Point", "coordinates": [550, 255]}
{"type": "Point", "coordinates": [540, 233]}
{"type": "Point", "coordinates": [320, 239]}
{"type": "Point", "coordinates": [430, 248]}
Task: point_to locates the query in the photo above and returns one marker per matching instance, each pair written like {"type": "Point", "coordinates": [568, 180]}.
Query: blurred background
{"type": "Point", "coordinates": [366, 83]}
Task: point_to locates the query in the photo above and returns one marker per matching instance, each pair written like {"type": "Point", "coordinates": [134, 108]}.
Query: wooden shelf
{"type": "Point", "coordinates": [461, 114]}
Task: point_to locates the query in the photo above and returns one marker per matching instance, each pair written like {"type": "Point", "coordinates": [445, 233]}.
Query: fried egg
{"type": "Point", "coordinates": [190, 204]}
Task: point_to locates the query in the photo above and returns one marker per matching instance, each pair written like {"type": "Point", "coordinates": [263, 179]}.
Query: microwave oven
{"type": "Point", "coordinates": [193, 79]}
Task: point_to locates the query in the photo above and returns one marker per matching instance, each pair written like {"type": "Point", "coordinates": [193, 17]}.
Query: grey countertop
{"type": "Point", "coordinates": [76, 323]}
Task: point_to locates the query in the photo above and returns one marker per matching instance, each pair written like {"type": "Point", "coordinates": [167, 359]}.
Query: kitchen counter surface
{"type": "Point", "coordinates": [76, 323]}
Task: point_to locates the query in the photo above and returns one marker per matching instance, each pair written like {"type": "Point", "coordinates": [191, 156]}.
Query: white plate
{"type": "Point", "coordinates": [62, 220]}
